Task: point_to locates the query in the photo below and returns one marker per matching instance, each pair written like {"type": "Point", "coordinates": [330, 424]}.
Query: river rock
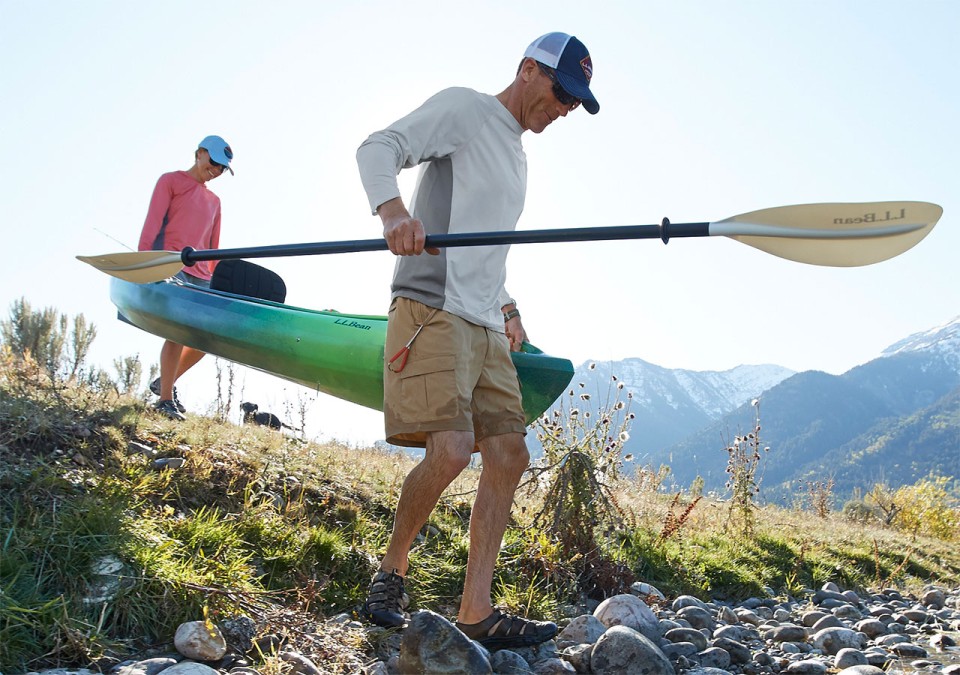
{"type": "Point", "coordinates": [200, 640]}
{"type": "Point", "coordinates": [190, 668]}
{"type": "Point", "coordinates": [714, 657]}
{"type": "Point", "coordinates": [624, 651]}
{"type": "Point", "coordinates": [934, 598]}
{"type": "Point", "coordinates": [908, 650]}
{"type": "Point", "coordinates": [786, 633]}
{"type": "Point", "coordinates": [861, 670]}
{"type": "Point", "coordinates": [807, 667]}
{"type": "Point", "coordinates": [872, 628]}
{"type": "Point", "coordinates": [431, 644]}
{"type": "Point", "coordinates": [299, 664]}
{"type": "Point", "coordinates": [809, 619]}
{"type": "Point", "coordinates": [687, 601]}
{"type": "Point", "coordinates": [848, 657]}
{"type": "Point", "coordinates": [826, 621]}
{"type": "Point", "coordinates": [832, 640]}
{"type": "Point", "coordinates": [553, 666]}
{"type": "Point", "coordinates": [698, 617]}
{"type": "Point", "coordinates": [630, 611]}
{"type": "Point", "coordinates": [578, 656]}
{"type": "Point", "coordinates": [584, 629]}
{"type": "Point", "coordinates": [738, 632]}
{"type": "Point", "coordinates": [147, 666]}
{"type": "Point", "coordinates": [506, 662]}
{"type": "Point", "coordinates": [687, 635]}
{"type": "Point", "coordinates": [674, 650]}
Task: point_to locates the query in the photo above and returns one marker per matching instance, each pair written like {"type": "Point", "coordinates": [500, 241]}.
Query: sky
{"type": "Point", "coordinates": [707, 110]}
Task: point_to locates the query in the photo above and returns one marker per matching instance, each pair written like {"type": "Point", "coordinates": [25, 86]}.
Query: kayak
{"type": "Point", "coordinates": [332, 352]}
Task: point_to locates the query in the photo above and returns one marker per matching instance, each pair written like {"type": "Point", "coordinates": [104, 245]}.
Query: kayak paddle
{"type": "Point", "coordinates": [835, 235]}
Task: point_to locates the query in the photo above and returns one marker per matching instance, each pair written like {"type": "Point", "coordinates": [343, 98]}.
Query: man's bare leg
{"type": "Point", "coordinates": [447, 455]}
{"type": "Point", "coordinates": [505, 458]}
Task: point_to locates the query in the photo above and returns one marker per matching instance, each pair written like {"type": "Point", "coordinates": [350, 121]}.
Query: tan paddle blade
{"type": "Point", "coordinates": [140, 267]}
{"type": "Point", "coordinates": [836, 235]}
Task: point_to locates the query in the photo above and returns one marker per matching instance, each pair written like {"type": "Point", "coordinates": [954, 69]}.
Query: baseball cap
{"type": "Point", "coordinates": [219, 151]}
{"type": "Point", "coordinates": [571, 60]}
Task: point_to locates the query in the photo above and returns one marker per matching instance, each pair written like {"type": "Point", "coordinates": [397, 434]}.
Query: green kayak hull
{"type": "Point", "coordinates": [338, 354]}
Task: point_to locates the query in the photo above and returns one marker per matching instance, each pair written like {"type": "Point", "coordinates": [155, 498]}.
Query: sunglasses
{"type": "Point", "coordinates": [558, 91]}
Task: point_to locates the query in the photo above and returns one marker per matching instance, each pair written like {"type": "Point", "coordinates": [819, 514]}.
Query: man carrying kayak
{"type": "Point", "coordinates": [449, 383]}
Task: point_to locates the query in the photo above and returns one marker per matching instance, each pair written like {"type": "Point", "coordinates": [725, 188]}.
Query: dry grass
{"type": "Point", "coordinates": [287, 532]}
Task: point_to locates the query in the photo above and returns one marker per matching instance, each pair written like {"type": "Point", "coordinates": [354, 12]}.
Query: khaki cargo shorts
{"type": "Point", "coordinates": [457, 377]}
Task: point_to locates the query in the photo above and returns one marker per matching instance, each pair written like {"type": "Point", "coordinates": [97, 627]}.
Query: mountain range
{"type": "Point", "coordinates": [895, 419]}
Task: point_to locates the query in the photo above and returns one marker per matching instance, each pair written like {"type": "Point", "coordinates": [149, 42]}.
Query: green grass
{"type": "Point", "coordinates": [258, 523]}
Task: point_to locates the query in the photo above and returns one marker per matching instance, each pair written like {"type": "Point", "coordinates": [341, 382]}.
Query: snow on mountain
{"type": "Point", "coordinates": [944, 339]}
{"type": "Point", "coordinates": [714, 393]}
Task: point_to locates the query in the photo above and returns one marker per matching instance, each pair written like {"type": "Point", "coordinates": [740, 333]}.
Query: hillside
{"type": "Point", "coordinates": [891, 420]}
{"type": "Point", "coordinates": [898, 450]}
{"type": "Point", "coordinates": [822, 426]}
{"type": "Point", "coordinates": [119, 524]}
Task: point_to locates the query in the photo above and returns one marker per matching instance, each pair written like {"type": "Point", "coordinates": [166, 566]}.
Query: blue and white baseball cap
{"type": "Point", "coordinates": [571, 60]}
{"type": "Point", "coordinates": [219, 150]}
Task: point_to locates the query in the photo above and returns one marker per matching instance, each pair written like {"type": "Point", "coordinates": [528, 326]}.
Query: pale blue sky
{"type": "Point", "coordinates": [708, 109]}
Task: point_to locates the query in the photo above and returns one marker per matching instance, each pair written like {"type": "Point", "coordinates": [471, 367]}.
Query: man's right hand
{"type": "Point", "coordinates": [403, 233]}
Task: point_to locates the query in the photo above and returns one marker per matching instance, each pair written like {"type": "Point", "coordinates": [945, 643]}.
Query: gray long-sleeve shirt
{"type": "Point", "coordinates": [473, 178]}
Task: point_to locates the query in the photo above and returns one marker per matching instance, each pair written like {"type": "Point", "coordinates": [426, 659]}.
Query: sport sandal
{"type": "Point", "coordinates": [169, 408]}
{"type": "Point", "coordinates": [387, 600]}
{"type": "Point", "coordinates": [501, 630]}
{"type": "Point", "coordinates": [155, 389]}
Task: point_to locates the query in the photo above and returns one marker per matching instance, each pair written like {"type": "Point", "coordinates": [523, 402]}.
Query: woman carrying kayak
{"type": "Point", "coordinates": [183, 212]}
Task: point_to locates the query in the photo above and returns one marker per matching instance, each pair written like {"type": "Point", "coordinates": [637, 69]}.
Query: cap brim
{"type": "Point", "coordinates": [575, 87]}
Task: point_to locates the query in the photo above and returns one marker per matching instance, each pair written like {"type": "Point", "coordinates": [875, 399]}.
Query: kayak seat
{"type": "Point", "coordinates": [241, 277]}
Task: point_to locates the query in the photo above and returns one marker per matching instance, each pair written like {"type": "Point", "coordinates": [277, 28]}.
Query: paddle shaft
{"type": "Point", "coordinates": [664, 231]}
{"type": "Point", "coordinates": [831, 234]}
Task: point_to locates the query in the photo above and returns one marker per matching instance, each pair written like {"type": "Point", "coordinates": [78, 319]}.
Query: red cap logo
{"type": "Point", "coordinates": [587, 66]}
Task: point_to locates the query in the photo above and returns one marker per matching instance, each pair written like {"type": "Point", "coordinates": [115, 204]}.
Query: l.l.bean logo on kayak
{"type": "Point", "coordinates": [352, 324]}
{"type": "Point", "coordinates": [872, 218]}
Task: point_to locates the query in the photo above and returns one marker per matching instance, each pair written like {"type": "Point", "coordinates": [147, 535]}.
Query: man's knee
{"type": "Point", "coordinates": [508, 451]}
{"type": "Point", "coordinates": [452, 450]}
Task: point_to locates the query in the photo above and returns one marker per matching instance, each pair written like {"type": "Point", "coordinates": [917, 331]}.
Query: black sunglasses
{"type": "Point", "coordinates": [558, 91]}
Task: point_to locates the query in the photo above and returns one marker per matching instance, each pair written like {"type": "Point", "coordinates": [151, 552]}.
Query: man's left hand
{"type": "Point", "coordinates": [516, 335]}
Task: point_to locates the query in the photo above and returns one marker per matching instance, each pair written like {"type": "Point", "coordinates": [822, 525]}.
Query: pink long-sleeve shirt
{"type": "Point", "coordinates": [183, 212]}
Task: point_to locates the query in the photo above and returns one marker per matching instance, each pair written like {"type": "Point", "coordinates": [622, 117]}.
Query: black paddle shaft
{"type": "Point", "coordinates": [664, 231]}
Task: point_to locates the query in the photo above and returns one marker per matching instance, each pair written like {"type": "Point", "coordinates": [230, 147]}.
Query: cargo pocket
{"type": "Point", "coordinates": [428, 388]}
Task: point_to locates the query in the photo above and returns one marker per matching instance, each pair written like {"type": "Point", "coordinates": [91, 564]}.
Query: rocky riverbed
{"type": "Point", "coordinates": [825, 631]}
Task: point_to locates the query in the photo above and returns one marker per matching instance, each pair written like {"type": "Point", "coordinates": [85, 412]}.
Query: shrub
{"type": "Point", "coordinates": [581, 442]}
{"type": "Point", "coordinates": [48, 336]}
{"type": "Point", "coordinates": [928, 507]}
{"type": "Point", "coordinates": [743, 464]}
